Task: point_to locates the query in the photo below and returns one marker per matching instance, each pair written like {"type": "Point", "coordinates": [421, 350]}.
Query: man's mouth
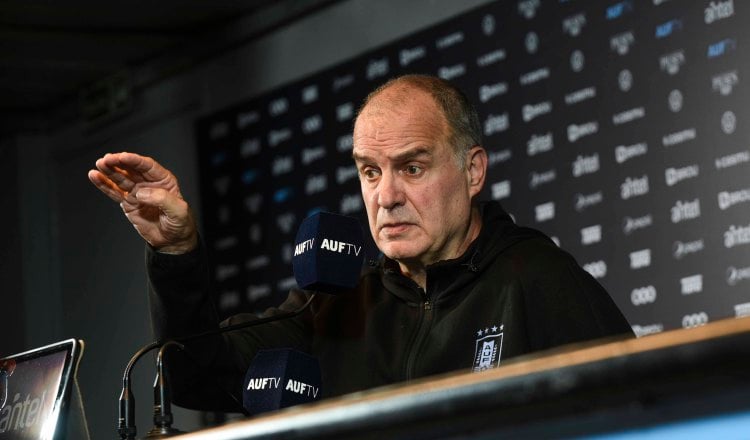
{"type": "Point", "coordinates": [394, 228]}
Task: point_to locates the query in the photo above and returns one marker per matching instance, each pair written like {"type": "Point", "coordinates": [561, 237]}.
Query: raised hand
{"type": "Point", "coordinates": [150, 198]}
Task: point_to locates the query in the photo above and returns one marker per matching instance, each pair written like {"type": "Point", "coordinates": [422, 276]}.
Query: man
{"type": "Point", "coordinates": [460, 287]}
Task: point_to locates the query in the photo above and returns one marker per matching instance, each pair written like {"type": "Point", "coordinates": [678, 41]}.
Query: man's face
{"type": "Point", "coordinates": [418, 200]}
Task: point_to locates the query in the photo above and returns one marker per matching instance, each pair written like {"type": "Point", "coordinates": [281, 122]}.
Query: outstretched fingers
{"type": "Point", "coordinates": [106, 186]}
{"type": "Point", "coordinates": [119, 177]}
{"type": "Point", "coordinates": [138, 168]}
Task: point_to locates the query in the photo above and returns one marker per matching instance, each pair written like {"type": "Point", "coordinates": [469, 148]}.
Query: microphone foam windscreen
{"type": "Point", "coordinates": [280, 378]}
{"type": "Point", "coordinates": [328, 253]}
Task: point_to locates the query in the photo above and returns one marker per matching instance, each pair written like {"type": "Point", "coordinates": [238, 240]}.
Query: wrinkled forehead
{"type": "Point", "coordinates": [401, 107]}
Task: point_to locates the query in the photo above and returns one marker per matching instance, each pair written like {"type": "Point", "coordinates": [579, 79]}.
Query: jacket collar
{"type": "Point", "coordinates": [448, 277]}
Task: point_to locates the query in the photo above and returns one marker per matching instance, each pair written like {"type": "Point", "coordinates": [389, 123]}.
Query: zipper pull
{"type": "Point", "coordinates": [427, 305]}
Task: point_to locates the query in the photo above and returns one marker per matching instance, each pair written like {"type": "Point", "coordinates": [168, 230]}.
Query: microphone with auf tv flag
{"type": "Point", "coordinates": [328, 253]}
{"type": "Point", "coordinates": [280, 378]}
{"type": "Point", "coordinates": [328, 258]}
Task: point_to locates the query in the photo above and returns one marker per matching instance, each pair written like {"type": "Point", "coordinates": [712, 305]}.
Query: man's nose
{"type": "Point", "coordinates": [390, 191]}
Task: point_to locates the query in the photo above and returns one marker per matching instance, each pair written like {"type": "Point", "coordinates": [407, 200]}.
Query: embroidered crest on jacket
{"type": "Point", "coordinates": [489, 348]}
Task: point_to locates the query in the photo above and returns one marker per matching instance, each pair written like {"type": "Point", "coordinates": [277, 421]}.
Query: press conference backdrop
{"type": "Point", "coordinates": [618, 128]}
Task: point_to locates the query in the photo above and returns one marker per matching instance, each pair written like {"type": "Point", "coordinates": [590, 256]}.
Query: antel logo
{"type": "Point", "coordinates": [539, 144]}
{"type": "Point", "coordinates": [685, 210]}
{"type": "Point", "coordinates": [718, 10]}
{"type": "Point", "coordinates": [736, 235]}
{"type": "Point", "coordinates": [586, 165]}
{"type": "Point", "coordinates": [634, 187]}
{"type": "Point", "coordinates": [496, 124]}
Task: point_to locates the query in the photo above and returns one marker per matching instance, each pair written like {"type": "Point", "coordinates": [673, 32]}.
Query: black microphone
{"type": "Point", "coordinates": [280, 378]}
{"type": "Point", "coordinates": [328, 253]}
{"type": "Point", "coordinates": [328, 258]}
{"type": "Point", "coordinates": [162, 400]}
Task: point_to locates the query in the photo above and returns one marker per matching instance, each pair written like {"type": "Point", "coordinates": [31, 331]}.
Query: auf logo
{"type": "Point", "coordinates": [619, 9]}
{"type": "Point", "coordinates": [488, 349]}
{"type": "Point", "coordinates": [666, 29]}
{"type": "Point", "coordinates": [282, 195]}
{"type": "Point", "coordinates": [218, 158]}
{"type": "Point", "coordinates": [721, 48]}
{"type": "Point", "coordinates": [249, 176]}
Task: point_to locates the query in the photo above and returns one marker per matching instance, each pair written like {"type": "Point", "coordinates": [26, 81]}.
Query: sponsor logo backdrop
{"type": "Point", "coordinates": [618, 128]}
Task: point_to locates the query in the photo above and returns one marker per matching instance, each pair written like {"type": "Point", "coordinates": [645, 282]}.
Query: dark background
{"type": "Point", "coordinates": [82, 78]}
{"type": "Point", "coordinates": [251, 203]}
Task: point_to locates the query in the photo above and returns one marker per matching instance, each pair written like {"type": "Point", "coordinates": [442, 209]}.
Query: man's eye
{"type": "Point", "coordinates": [413, 170]}
{"type": "Point", "coordinates": [370, 173]}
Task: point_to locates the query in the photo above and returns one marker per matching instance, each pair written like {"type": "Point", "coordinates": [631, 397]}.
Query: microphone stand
{"type": "Point", "coordinates": [162, 400]}
{"type": "Point", "coordinates": [126, 426]}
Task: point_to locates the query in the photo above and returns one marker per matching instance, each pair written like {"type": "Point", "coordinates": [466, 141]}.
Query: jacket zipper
{"type": "Point", "coordinates": [425, 321]}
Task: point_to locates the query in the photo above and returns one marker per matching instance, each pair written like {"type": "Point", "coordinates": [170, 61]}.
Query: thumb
{"type": "Point", "coordinates": [171, 204]}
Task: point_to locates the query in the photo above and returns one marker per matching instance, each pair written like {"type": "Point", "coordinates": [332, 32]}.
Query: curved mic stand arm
{"type": "Point", "coordinates": [126, 424]}
{"type": "Point", "coordinates": [253, 323]}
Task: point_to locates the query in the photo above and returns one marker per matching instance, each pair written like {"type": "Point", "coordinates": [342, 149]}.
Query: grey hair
{"type": "Point", "coordinates": [462, 117]}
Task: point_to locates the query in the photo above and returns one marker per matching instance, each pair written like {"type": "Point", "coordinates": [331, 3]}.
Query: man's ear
{"type": "Point", "coordinates": [476, 169]}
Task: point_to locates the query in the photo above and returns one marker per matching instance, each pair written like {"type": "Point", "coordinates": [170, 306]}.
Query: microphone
{"type": "Point", "coordinates": [328, 258]}
{"type": "Point", "coordinates": [328, 253]}
{"type": "Point", "coordinates": [280, 378]}
{"type": "Point", "coordinates": [162, 400]}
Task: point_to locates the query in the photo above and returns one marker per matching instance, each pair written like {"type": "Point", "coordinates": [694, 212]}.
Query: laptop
{"type": "Point", "coordinates": [35, 392]}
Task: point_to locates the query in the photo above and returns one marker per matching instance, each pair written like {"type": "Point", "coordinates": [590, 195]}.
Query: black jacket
{"type": "Point", "coordinates": [513, 292]}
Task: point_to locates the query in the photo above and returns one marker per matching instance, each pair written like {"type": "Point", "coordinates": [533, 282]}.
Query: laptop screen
{"type": "Point", "coordinates": [33, 389]}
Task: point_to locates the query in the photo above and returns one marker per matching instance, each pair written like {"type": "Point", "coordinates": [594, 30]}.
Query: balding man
{"type": "Point", "coordinates": [460, 286]}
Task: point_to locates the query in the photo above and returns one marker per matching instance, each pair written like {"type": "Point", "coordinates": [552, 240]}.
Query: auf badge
{"type": "Point", "coordinates": [488, 349]}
